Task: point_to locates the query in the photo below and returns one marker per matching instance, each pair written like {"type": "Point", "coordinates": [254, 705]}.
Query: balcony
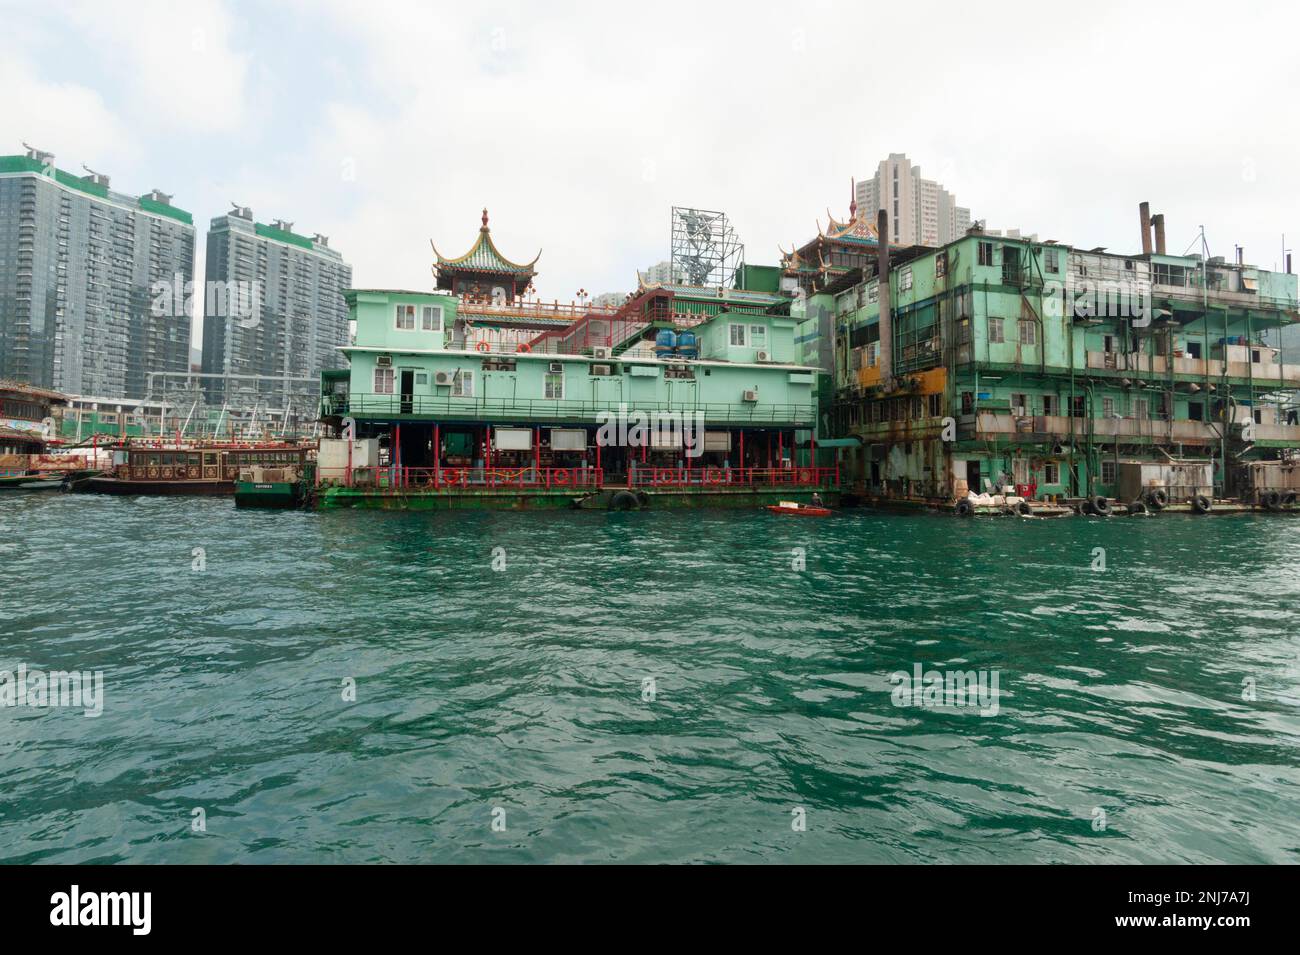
{"type": "Point", "coordinates": [1194, 367]}
{"type": "Point", "coordinates": [449, 408]}
{"type": "Point", "coordinates": [991, 424]}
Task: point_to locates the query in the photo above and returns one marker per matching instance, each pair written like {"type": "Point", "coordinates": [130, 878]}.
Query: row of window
{"type": "Point", "coordinates": [1027, 331]}
{"type": "Point", "coordinates": [748, 336]}
{"type": "Point", "coordinates": [462, 383]}
{"type": "Point", "coordinates": [430, 318]}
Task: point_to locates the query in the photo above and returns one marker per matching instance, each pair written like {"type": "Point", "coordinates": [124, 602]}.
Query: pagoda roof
{"type": "Point", "coordinates": [483, 256]}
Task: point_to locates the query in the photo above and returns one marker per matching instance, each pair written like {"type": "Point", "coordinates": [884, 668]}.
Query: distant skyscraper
{"type": "Point", "coordinates": [280, 309]}
{"type": "Point", "coordinates": [78, 267]}
{"type": "Point", "coordinates": [662, 274]}
{"type": "Point", "coordinates": [921, 211]}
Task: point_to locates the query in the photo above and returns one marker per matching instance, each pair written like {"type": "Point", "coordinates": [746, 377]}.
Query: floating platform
{"type": "Point", "coordinates": [531, 499]}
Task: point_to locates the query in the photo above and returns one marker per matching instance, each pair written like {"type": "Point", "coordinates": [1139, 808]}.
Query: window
{"type": "Point", "coordinates": [967, 402]}
{"type": "Point", "coordinates": [431, 318]}
{"type": "Point", "coordinates": [462, 384]}
{"type": "Point", "coordinates": [1028, 333]}
{"type": "Point", "coordinates": [985, 253]}
{"type": "Point", "coordinates": [1052, 260]}
{"type": "Point", "coordinates": [421, 377]}
{"type": "Point", "coordinates": [873, 294]}
{"type": "Point", "coordinates": [383, 381]}
{"type": "Point", "coordinates": [1020, 406]}
{"type": "Point", "coordinates": [873, 352]}
{"type": "Point", "coordinates": [905, 278]}
{"type": "Point", "coordinates": [406, 318]}
{"type": "Point", "coordinates": [996, 336]}
{"type": "Point", "coordinates": [758, 336]}
{"type": "Point", "coordinates": [738, 335]}
{"type": "Point", "coordinates": [1049, 405]}
{"type": "Point", "coordinates": [1051, 474]}
{"type": "Point", "coordinates": [941, 264]}
{"type": "Point", "coordinates": [1078, 404]}
{"type": "Point", "coordinates": [553, 383]}
{"type": "Point", "coordinates": [1195, 411]}
{"type": "Point", "coordinates": [1141, 408]}
{"type": "Point", "coordinates": [1107, 472]}
{"type": "Point", "coordinates": [1108, 407]}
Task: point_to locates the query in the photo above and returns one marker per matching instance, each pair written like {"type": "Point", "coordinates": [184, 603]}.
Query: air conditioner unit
{"type": "Point", "coordinates": [442, 378]}
{"type": "Point", "coordinates": [384, 361]}
{"type": "Point", "coordinates": [601, 353]}
{"type": "Point", "coordinates": [555, 367]}
{"type": "Point", "coordinates": [601, 370]}
{"type": "Point", "coordinates": [762, 356]}
{"type": "Point", "coordinates": [751, 395]}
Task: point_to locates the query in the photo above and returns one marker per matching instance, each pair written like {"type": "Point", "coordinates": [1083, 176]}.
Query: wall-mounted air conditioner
{"type": "Point", "coordinates": [555, 367]}
{"type": "Point", "coordinates": [601, 353]}
{"type": "Point", "coordinates": [601, 370]}
{"type": "Point", "coordinates": [750, 394]}
{"type": "Point", "coordinates": [762, 356]}
{"type": "Point", "coordinates": [442, 378]}
{"type": "Point", "coordinates": [384, 361]}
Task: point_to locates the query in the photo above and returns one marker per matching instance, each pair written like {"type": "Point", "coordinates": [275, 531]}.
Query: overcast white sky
{"type": "Point", "coordinates": [383, 124]}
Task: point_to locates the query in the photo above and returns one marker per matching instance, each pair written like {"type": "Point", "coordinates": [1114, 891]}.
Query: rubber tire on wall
{"type": "Point", "coordinates": [1272, 500]}
{"type": "Point", "coordinates": [1157, 498]}
{"type": "Point", "coordinates": [624, 501]}
{"type": "Point", "coordinates": [1137, 507]}
{"type": "Point", "coordinates": [965, 508]}
{"type": "Point", "coordinates": [1087, 508]}
{"type": "Point", "coordinates": [1024, 509]}
{"type": "Point", "coordinates": [1201, 504]}
{"type": "Point", "coordinates": [1101, 506]}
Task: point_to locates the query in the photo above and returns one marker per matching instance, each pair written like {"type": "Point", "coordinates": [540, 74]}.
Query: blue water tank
{"type": "Point", "coordinates": [687, 345]}
{"type": "Point", "coordinates": [665, 343]}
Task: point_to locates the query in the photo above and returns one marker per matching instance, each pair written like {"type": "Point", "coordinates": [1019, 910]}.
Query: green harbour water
{"type": "Point", "coordinates": [520, 695]}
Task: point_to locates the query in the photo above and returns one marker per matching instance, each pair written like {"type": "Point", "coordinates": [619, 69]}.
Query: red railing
{"type": "Point", "coordinates": [451, 479]}
{"type": "Point", "coordinates": [734, 477]}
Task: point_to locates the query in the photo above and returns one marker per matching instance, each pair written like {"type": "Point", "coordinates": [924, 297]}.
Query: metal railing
{"type": "Point", "coordinates": [459, 478]}
{"type": "Point", "coordinates": [713, 477]}
{"type": "Point", "coordinates": [560, 409]}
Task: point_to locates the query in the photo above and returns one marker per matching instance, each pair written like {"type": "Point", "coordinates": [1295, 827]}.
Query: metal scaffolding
{"type": "Point", "coordinates": [705, 248]}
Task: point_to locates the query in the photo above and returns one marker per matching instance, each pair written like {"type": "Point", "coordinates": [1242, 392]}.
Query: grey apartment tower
{"type": "Point", "coordinates": [79, 266]}
{"type": "Point", "coordinates": [283, 313]}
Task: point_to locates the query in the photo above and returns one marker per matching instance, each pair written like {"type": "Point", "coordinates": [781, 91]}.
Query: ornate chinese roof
{"type": "Point", "coordinates": [484, 257]}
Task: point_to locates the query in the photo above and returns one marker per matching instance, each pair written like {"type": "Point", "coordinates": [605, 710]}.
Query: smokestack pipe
{"type": "Point", "coordinates": [1144, 211]}
{"type": "Point", "coordinates": [1158, 223]}
{"type": "Point", "coordinates": [886, 356]}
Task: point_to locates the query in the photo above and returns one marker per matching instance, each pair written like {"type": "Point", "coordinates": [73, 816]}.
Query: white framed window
{"type": "Point", "coordinates": [873, 294]}
{"type": "Point", "coordinates": [996, 333]}
{"type": "Point", "coordinates": [1028, 333]}
{"type": "Point", "coordinates": [1107, 472]}
{"type": "Point", "coordinates": [462, 384]}
{"type": "Point", "coordinates": [1108, 408]}
{"type": "Point", "coordinates": [905, 278]}
{"type": "Point", "coordinates": [738, 335]}
{"type": "Point", "coordinates": [421, 377]}
{"type": "Point", "coordinates": [405, 320]}
{"type": "Point", "coordinates": [1050, 474]}
{"type": "Point", "coordinates": [553, 385]}
{"type": "Point", "coordinates": [431, 318]}
{"type": "Point", "coordinates": [1141, 408]}
{"type": "Point", "coordinates": [383, 381]}
{"type": "Point", "coordinates": [1052, 260]}
{"type": "Point", "coordinates": [758, 336]}
{"type": "Point", "coordinates": [873, 350]}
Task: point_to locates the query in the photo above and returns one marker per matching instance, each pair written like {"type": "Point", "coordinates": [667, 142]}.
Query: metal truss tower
{"type": "Point", "coordinates": [705, 248]}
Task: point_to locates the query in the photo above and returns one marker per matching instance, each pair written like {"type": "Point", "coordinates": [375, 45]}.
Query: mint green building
{"type": "Point", "coordinates": [440, 405]}
{"type": "Point", "coordinates": [1061, 370]}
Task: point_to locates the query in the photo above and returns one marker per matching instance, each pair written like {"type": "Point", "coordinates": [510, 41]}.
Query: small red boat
{"type": "Point", "coordinates": [799, 510]}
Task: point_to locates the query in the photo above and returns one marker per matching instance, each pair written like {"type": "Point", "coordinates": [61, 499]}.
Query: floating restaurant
{"type": "Point", "coordinates": [475, 396]}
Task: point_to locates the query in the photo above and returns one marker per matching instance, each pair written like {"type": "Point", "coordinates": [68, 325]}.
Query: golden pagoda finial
{"type": "Point", "coordinates": [485, 218]}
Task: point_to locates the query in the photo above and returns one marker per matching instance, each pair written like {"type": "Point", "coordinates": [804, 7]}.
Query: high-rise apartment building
{"type": "Point", "coordinates": [275, 300]}
{"type": "Point", "coordinates": [79, 268]}
{"type": "Point", "coordinates": [921, 211]}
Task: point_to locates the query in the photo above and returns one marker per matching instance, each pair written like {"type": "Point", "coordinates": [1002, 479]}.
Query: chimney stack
{"type": "Point", "coordinates": [885, 356]}
{"type": "Point", "coordinates": [1158, 223]}
{"type": "Point", "coordinates": [1144, 211]}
